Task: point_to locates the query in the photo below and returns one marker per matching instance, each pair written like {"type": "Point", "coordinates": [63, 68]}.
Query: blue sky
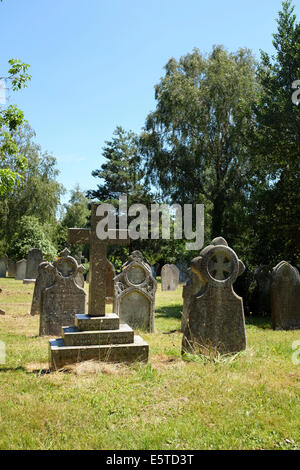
{"type": "Point", "coordinates": [94, 63]}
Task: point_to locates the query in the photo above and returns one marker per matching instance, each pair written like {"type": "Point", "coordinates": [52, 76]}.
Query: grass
{"type": "Point", "coordinates": [249, 401]}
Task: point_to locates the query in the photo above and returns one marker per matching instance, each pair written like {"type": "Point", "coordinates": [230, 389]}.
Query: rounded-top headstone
{"type": "Point", "coordinates": [285, 297]}
{"type": "Point", "coordinates": [169, 277]}
{"type": "Point", "coordinates": [219, 241]}
{"type": "Point", "coordinates": [135, 293]}
{"type": "Point", "coordinates": [215, 319]}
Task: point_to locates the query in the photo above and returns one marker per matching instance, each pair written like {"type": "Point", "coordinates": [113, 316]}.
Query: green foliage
{"type": "Point", "coordinates": [30, 234]}
{"type": "Point", "coordinates": [275, 198]}
{"type": "Point", "coordinates": [122, 172]}
{"type": "Point", "coordinates": [18, 74]}
{"type": "Point", "coordinates": [38, 193]}
{"type": "Point", "coordinates": [196, 141]}
{"type": "Point", "coordinates": [77, 210]}
{"type": "Point", "coordinates": [12, 162]}
{"type": "Point", "coordinates": [76, 214]}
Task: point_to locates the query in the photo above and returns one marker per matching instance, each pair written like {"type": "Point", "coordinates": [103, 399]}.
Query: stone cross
{"type": "Point", "coordinates": [98, 253]}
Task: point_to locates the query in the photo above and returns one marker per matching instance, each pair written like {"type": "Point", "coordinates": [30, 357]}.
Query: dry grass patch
{"type": "Point", "coordinates": [94, 368]}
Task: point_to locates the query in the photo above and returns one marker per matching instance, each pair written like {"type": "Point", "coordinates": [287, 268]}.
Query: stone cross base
{"type": "Point", "coordinates": [100, 338]}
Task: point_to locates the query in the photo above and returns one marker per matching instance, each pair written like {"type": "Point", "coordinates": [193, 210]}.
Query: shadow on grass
{"type": "Point", "coordinates": [37, 372]}
{"type": "Point", "coordinates": [169, 312]}
{"type": "Point", "coordinates": [12, 369]}
{"type": "Point", "coordinates": [260, 322]}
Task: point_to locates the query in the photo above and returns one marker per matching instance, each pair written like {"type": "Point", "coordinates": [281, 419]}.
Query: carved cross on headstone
{"type": "Point", "coordinates": [220, 266]}
{"type": "Point", "coordinates": [98, 253]}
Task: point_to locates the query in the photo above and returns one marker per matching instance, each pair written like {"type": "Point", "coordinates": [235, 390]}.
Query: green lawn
{"type": "Point", "coordinates": [251, 402]}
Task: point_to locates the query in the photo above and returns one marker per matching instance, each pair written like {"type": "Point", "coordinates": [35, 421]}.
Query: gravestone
{"type": "Point", "coordinates": [169, 277]}
{"type": "Point", "coordinates": [34, 259]}
{"type": "Point", "coordinates": [3, 267]}
{"type": "Point", "coordinates": [11, 268]}
{"type": "Point", "coordinates": [135, 289]}
{"type": "Point", "coordinates": [98, 258]}
{"type": "Point", "coordinates": [64, 299]}
{"type": "Point", "coordinates": [110, 283]}
{"type": "Point", "coordinates": [183, 272]}
{"type": "Point", "coordinates": [216, 317]}
{"type": "Point", "coordinates": [45, 278]}
{"type": "Point", "coordinates": [79, 258]}
{"type": "Point", "coordinates": [192, 286]}
{"type": "Point", "coordinates": [110, 287]}
{"type": "Point", "coordinates": [80, 277]}
{"type": "Point", "coordinates": [98, 335]}
{"type": "Point", "coordinates": [20, 270]}
{"type": "Point", "coordinates": [285, 297]}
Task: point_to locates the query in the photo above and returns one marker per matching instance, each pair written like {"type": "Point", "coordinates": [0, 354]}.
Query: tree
{"type": "Point", "coordinates": [196, 141]}
{"type": "Point", "coordinates": [38, 193]}
{"type": "Point", "coordinates": [76, 214]}
{"type": "Point", "coordinates": [12, 162]}
{"type": "Point", "coordinates": [30, 234]}
{"type": "Point", "coordinates": [278, 117]}
{"type": "Point", "coordinates": [275, 198]}
{"type": "Point", "coordinates": [122, 173]}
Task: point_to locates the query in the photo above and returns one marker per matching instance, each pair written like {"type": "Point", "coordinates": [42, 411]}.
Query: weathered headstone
{"type": "Point", "coordinates": [45, 278]}
{"type": "Point", "coordinates": [79, 279]}
{"type": "Point", "coordinates": [34, 259]}
{"type": "Point", "coordinates": [98, 335]}
{"type": "Point", "coordinates": [11, 268]}
{"type": "Point", "coordinates": [169, 277]}
{"type": "Point", "coordinates": [153, 272]}
{"type": "Point", "coordinates": [64, 299]}
{"type": "Point", "coordinates": [20, 270]}
{"type": "Point", "coordinates": [192, 286]}
{"type": "Point", "coordinates": [285, 297]}
{"type": "Point", "coordinates": [216, 317]}
{"type": "Point", "coordinates": [79, 258]}
{"type": "Point", "coordinates": [3, 267]}
{"type": "Point", "coordinates": [135, 289]}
